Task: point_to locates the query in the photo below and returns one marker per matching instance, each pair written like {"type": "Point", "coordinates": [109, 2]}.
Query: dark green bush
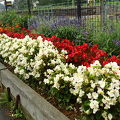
{"type": "Point", "coordinates": [12, 18]}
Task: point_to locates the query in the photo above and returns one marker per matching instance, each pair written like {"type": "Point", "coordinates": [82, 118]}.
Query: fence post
{"type": "Point", "coordinates": [103, 13]}
{"type": "Point", "coordinates": [29, 6]}
{"type": "Point", "coordinates": [73, 2]}
{"type": "Point", "coordinates": [79, 9]}
{"type": "Point", "coordinates": [5, 5]}
{"type": "Point", "coordinates": [9, 94]}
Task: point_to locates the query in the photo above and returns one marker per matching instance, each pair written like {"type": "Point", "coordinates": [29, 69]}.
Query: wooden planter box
{"type": "Point", "coordinates": [35, 105]}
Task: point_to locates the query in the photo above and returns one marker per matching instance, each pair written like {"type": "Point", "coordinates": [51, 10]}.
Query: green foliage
{"type": "Point", "coordinates": [47, 2]}
{"type": "Point", "coordinates": [94, 35]}
{"type": "Point", "coordinates": [107, 38]}
{"type": "Point", "coordinates": [3, 98]}
{"type": "Point", "coordinates": [66, 32]}
{"type": "Point", "coordinates": [10, 105]}
{"type": "Point", "coordinates": [44, 29]}
{"type": "Point", "coordinates": [12, 18]}
{"type": "Point", "coordinates": [83, 117]}
{"type": "Point", "coordinates": [63, 95]}
{"type": "Point", "coordinates": [56, 26]}
{"type": "Point", "coordinates": [18, 113]}
{"type": "Point", "coordinates": [83, 37]}
{"type": "Point", "coordinates": [71, 33]}
{"type": "Point", "coordinates": [23, 21]}
{"type": "Point", "coordinates": [90, 117]}
{"type": "Point", "coordinates": [108, 41]}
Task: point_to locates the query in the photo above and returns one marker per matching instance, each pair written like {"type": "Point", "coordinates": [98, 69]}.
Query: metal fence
{"type": "Point", "coordinates": [94, 14]}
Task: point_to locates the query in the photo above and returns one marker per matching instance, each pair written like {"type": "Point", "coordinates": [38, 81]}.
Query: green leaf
{"type": "Point", "coordinates": [86, 105]}
{"type": "Point", "coordinates": [98, 116]}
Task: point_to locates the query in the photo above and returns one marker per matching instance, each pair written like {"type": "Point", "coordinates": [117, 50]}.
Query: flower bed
{"type": "Point", "coordinates": [78, 55]}
{"type": "Point", "coordinates": [96, 88]}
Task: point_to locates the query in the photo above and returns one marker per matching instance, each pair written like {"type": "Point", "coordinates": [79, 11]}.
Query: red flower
{"type": "Point", "coordinates": [104, 63]}
{"type": "Point", "coordinates": [78, 55]}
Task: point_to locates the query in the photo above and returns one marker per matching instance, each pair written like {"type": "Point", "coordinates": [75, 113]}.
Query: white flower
{"type": "Point", "coordinates": [93, 85]}
{"type": "Point", "coordinates": [100, 91]}
{"type": "Point", "coordinates": [72, 66]}
{"type": "Point", "coordinates": [94, 105]}
{"type": "Point", "coordinates": [79, 100]}
{"type": "Point", "coordinates": [104, 114]}
{"type": "Point", "coordinates": [107, 106]}
{"type": "Point", "coordinates": [21, 72]}
{"type": "Point", "coordinates": [37, 75]}
{"type": "Point", "coordinates": [39, 38]}
{"type": "Point", "coordinates": [81, 93]}
{"type": "Point", "coordinates": [101, 83]}
{"type": "Point", "coordinates": [110, 116]}
{"type": "Point", "coordinates": [46, 81]}
{"type": "Point", "coordinates": [95, 95]}
{"type": "Point", "coordinates": [56, 85]}
{"type": "Point", "coordinates": [64, 52]}
{"type": "Point", "coordinates": [87, 112]}
{"type": "Point", "coordinates": [50, 71]}
{"type": "Point", "coordinates": [53, 61]}
{"type": "Point", "coordinates": [96, 63]}
{"type": "Point", "coordinates": [66, 71]}
{"type": "Point", "coordinates": [43, 58]}
{"type": "Point", "coordinates": [66, 78]}
{"type": "Point", "coordinates": [26, 76]}
{"type": "Point", "coordinates": [91, 70]}
{"type": "Point", "coordinates": [57, 68]}
{"type": "Point", "coordinates": [111, 93]}
{"type": "Point", "coordinates": [66, 56]}
{"type": "Point", "coordinates": [117, 93]}
{"type": "Point", "coordinates": [81, 69]}
{"type": "Point", "coordinates": [16, 70]}
{"type": "Point", "coordinates": [89, 95]}
{"type": "Point", "coordinates": [74, 91]}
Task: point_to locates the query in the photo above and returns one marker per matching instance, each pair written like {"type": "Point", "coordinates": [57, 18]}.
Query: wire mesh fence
{"type": "Point", "coordinates": [96, 14]}
{"type": "Point", "coordinates": [89, 14]}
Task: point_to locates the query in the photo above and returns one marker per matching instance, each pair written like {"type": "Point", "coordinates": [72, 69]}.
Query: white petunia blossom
{"type": "Point", "coordinates": [94, 105]}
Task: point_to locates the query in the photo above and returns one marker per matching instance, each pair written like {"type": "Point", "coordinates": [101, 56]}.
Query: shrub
{"type": "Point", "coordinates": [12, 19]}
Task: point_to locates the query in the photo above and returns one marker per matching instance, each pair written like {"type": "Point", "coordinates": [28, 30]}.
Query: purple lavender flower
{"type": "Point", "coordinates": [65, 21]}
{"type": "Point", "coordinates": [34, 23]}
{"type": "Point", "coordinates": [116, 42]}
{"type": "Point", "coordinates": [54, 22]}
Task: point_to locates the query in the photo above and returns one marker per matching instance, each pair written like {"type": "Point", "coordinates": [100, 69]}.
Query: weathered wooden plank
{"type": "Point", "coordinates": [32, 102]}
